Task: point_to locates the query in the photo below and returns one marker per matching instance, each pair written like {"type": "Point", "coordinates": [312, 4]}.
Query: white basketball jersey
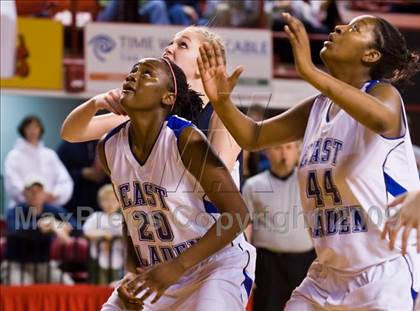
{"type": "Point", "coordinates": [347, 175]}
{"type": "Point", "coordinates": [161, 201]}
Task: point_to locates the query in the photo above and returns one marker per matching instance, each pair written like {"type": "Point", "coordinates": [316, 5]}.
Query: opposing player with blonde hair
{"type": "Point", "coordinates": [183, 50]}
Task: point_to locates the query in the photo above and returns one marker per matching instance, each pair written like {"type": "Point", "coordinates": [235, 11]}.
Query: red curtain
{"type": "Point", "coordinates": [56, 298]}
{"type": "Point", "coordinates": [53, 297]}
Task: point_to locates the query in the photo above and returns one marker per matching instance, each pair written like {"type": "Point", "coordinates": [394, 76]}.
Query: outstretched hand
{"type": "Point", "coordinates": [407, 218]}
{"type": "Point", "coordinates": [218, 85]}
{"type": "Point", "coordinates": [298, 38]}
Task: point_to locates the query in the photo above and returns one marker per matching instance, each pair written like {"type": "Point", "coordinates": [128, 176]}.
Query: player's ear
{"type": "Point", "coordinates": [371, 56]}
{"type": "Point", "coordinates": [168, 99]}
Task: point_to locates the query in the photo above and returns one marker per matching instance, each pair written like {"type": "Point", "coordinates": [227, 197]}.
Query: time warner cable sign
{"type": "Point", "coordinates": [112, 49]}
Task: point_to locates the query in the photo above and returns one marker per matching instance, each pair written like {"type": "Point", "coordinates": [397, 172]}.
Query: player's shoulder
{"type": "Point", "coordinates": [383, 88]}
{"type": "Point", "coordinates": [185, 131]}
{"type": "Point", "coordinates": [113, 132]}
{"type": "Point", "coordinates": [178, 124]}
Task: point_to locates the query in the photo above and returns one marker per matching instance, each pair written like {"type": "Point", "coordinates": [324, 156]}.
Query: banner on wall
{"type": "Point", "coordinates": [39, 55]}
{"type": "Point", "coordinates": [112, 49]}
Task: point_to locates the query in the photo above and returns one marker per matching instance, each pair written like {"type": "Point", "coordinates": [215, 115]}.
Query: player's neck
{"type": "Point", "coordinates": [145, 128]}
{"type": "Point", "coordinates": [350, 74]}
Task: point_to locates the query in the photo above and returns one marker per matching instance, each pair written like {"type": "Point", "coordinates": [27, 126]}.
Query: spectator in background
{"type": "Point", "coordinates": [87, 174]}
{"type": "Point", "coordinates": [103, 228]}
{"type": "Point", "coordinates": [318, 16]}
{"type": "Point", "coordinates": [159, 12]}
{"type": "Point", "coordinates": [372, 6]}
{"type": "Point", "coordinates": [185, 12]}
{"type": "Point", "coordinates": [227, 13]}
{"type": "Point", "coordinates": [30, 228]}
{"type": "Point", "coordinates": [152, 11]}
{"type": "Point", "coordinates": [28, 158]}
{"type": "Point", "coordinates": [284, 247]}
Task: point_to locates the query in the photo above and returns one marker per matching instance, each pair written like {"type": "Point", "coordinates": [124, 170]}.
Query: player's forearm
{"type": "Point", "coordinates": [77, 122]}
{"type": "Point", "coordinates": [223, 232]}
{"type": "Point", "coordinates": [243, 129]}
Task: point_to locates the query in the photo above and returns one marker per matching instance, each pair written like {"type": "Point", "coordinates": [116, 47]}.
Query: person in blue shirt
{"type": "Point", "coordinates": [30, 228]}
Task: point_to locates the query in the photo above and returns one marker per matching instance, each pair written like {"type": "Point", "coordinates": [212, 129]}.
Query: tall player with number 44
{"type": "Point", "coordinates": [356, 156]}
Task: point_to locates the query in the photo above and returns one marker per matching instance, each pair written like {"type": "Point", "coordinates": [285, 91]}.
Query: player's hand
{"type": "Point", "coordinates": [130, 301]}
{"type": "Point", "coordinates": [407, 218]}
{"type": "Point", "coordinates": [156, 280]}
{"type": "Point", "coordinates": [298, 38]}
{"type": "Point", "coordinates": [109, 101]}
{"type": "Point", "coordinates": [217, 84]}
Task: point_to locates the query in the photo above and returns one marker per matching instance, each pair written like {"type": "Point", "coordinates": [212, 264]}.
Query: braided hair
{"type": "Point", "coordinates": [188, 102]}
{"type": "Point", "coordinates": [398, 64]}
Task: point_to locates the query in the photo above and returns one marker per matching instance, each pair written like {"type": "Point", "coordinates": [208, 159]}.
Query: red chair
{"type": "Point", "coordinates": [73, 256]}
{"type": "Point", "coordinates": [2, 227]}
{"type": "Point", "coordinates": [75, 251]}
{"type": "Point", "coordinates": [3, 242]}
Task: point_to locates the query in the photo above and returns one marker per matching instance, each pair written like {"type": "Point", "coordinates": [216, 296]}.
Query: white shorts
{"type": "Point", "coordinates": [221, 282]}
{"type": "Point", "coordinates": [387, 286]}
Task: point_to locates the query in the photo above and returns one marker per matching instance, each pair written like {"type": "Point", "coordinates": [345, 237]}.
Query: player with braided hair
{"type": "Point", "coordinates": [356, 156]}
{"type": "Point", "coordinates": [191, 254]}
{"type": "Point", "coordinates": [83, 125]}
{"type": "Point", "coordinates": [397, 64]}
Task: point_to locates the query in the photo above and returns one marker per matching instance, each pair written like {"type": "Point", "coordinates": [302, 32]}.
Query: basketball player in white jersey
{"type": "Point", "coordinates": [356, 157]}
{"type": "Point", "coordinates": [161, 168]}
{"type": "Point", "coordinates": [82, 124]}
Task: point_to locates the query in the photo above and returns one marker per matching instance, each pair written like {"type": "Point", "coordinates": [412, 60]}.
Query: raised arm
{"type": "Point", "coordinates": [250, 135]}
{"type": "Point", "coordinates": [379, 110]}
{"type": "Point", "coordinates": [82, 124]}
